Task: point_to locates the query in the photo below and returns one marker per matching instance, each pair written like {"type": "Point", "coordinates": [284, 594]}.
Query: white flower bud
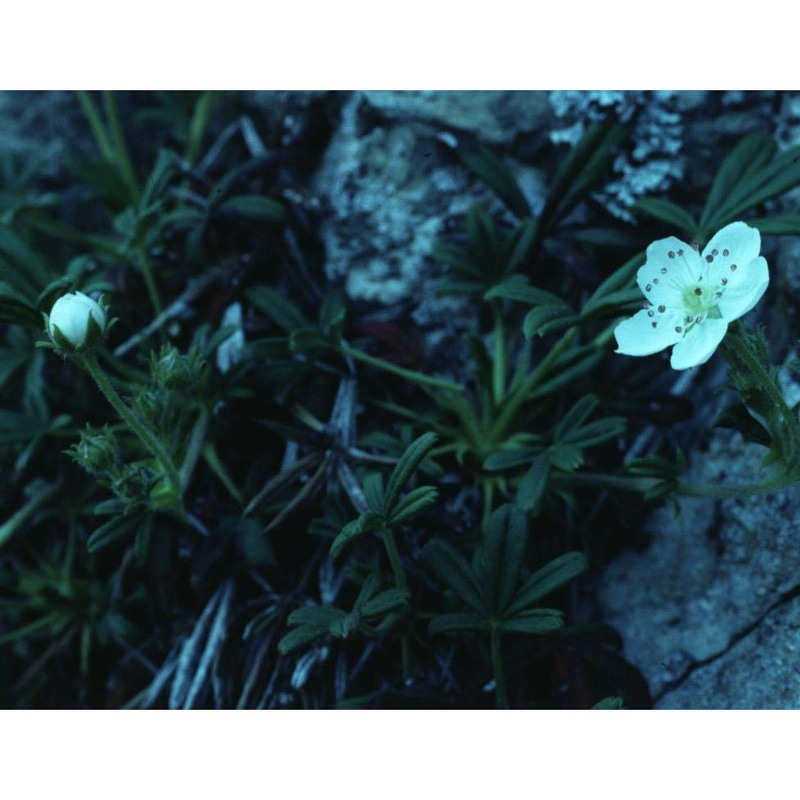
{"type": "Point", "coordinates": [76, 322]}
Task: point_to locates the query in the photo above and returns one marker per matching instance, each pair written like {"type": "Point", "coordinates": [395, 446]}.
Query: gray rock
{"type": "Point", "coordinates": [715, 585]}
{"type": "Point", "coordinates": [497, 117]}
{"type": "Point", "coordinates": [389, 188]}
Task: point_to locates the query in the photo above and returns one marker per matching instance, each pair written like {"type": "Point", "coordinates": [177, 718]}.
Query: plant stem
{"type": "Point", "coordinates": [134, 421]}
{"type": "Point", "coordinates": [499, 365]}
{"type": "Point", "coordinates": [774, 485]}
{"type": "Point", "coordinates": [194, 448]}
{"type": "Point", "coordinates": [402, 584]}
{"type": "Point", "coordinates": [147, 273]}
{"type": "Point", "coordinates": [497, 668]}
{"type": "Point", "coordinates": [394, 559]}
{"type": "Point", "coordinates": [218, 468]}
{"type": "Point", "coordinates": [16, 520]}
{"type": "Point", "coordinates": [517, 399]}
{"type": "Point", "coordinates": [736, 347]}
{"type": "Point", "coordinates": [416, 377]}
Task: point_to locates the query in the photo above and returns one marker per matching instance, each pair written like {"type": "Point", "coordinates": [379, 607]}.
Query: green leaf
{"type": "Point", "coordinates": [537, 621]}
{"type": "Point", "coordinates": [277, 307]}
{"type": "Point", "coordinates": [373, 491]}
{"type": "Point", "coordinates": [588, 161]}
{"type": "Point", "coordinates": [668, 212]}
{"type": "Point", "coordinates": [534, 484]}
{"type": "Point", "coordinates": [255, 207]}
{"type": "Point", "coordinates": [501, 556]}
{"type": "Point", "coordinates": [521, 244]}
{"type": "Point", "coordinates": [494, 173]}
{"type": "Point", "coordinates": [575, 364]}
{"type": "Point", "coordinates": [781, 225]}
{"type": "Point", "coordinates": [24, 266]}
{"type": "Point", "coordinates": [313, 623]}
{"type": "Point", "coordinates": [612, 703]}
{"type": "Point", "coordinates": [601, 430]}
{"type": "Point", "coordinates": [405, 468]}
{"type": "Point", "coordinates": [576, 416]}
{"type": "Point", "coordinates": [448, 623]}
{"type": "Point", "coordinates": [110, 532]}
{"type": "Point", "coordinates": [452, 569]}
{"type": "Point", "coordinates": [518, 288]}
{"type": "Point", "coordinates": [308, 341]}
{"type": "Point", "coordinates": [565, 456]}
{"type": "Point", "coordinates": [365, 523]}
{"type": "Point", "coordinates": [413, 502]}
{"type": "Point", "coordinates": [737, 417]}
{"type": "Point", "coordinates": [550, 577]}
{"type": "Point", "coordinates": [385, 603]}
{"type": "Point", "coordinates": [625, 301]}
{"type": "Point", "coordinates": [509, 459]}
{"type": "Point", "coordinates": [540, 320]}
{"type": "Point", "coordinates": [752, 153]}
{"type": "Point", "coordinates": [618, 281]}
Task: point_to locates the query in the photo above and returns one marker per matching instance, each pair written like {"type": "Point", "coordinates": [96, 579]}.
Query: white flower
{"type": "Point", "coordinates": [691, 296]}
{"type": "Point", "coordinates": [76, 322]}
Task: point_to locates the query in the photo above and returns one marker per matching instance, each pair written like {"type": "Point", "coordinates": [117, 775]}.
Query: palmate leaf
{"type": "Point", "coordinates": [751, 154]}
{"type": "Point", "coordinates": [586, 164]}
{"type": "Point", "coordinates": [365, 523]}
{"type": "Point", "coordinates": [448, 623]}
{"type": "Point", "coordinates": [619, 281]}
{"type": "Point", "coordinates": [749, 176]}
{"type": "Point", "coordinates": [780, 225]}
{"type": "Point", "coordinates": [491, 170]}
{"type": "Point", "coordinates": [536, 621]}
{"type": "Point", "coordinates": [665, 210]}
{"type": "Point", "coordinates": [254, 207]}
{"type": "Point", "coordinates": [454, 571]}
{"type": "Point", "coordinates": [499, 560]}
{"type": "Point", "coordinates": [547, 579]}
{"type": "Point", "coordinates": [416, 500]}
{"type": "Point", "coordinates": [405, 468]}
{"type": "Point", "coordinates": [277, 307]}
{"type": "Point", "coordinates": [533, 485]}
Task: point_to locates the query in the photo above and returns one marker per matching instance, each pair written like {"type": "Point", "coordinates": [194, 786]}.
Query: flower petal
{"type": "Point", "coordinates": [670, 265]}
{"type": "Point", "coordinates": [637, 336]}
{"type": "Point", "coordinates": [736, 243]}
{"type": "Point", "coordinates": [699, 344]}
{"type": "Point", "coordinates": [746, 286]}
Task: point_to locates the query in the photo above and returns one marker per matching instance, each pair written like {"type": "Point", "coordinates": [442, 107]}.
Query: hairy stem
{"type": "Point", "coordinates": [134, 421]}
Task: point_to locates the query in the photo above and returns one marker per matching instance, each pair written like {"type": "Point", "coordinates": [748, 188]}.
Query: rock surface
{"type": "Point", "coordinates": [710, 611]}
